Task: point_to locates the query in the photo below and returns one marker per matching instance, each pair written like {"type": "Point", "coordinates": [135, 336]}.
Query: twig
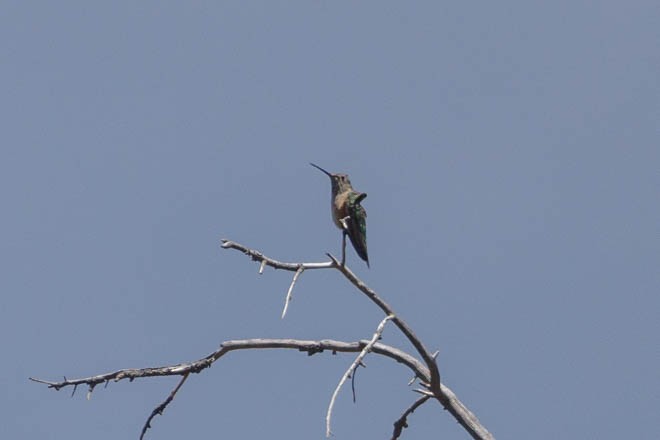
{"type": "Point", "coordinates": [367, 348]}
{"type": "Point", "coordinates": [353, 374]}
{"type": "Point", "coordinates": [265, 261]}
{"type": "Point", "coordinates": [131, 374]}
{"type": "Point", "coordinates": [160, 408]}
{"type": "Point", "coordinates": [289, 293]}
{"type": "Point", "coordinates": [402, 422]}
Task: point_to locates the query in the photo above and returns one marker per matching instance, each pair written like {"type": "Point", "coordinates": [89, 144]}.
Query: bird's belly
{"type": "Point", "coordinates": [339, 211]}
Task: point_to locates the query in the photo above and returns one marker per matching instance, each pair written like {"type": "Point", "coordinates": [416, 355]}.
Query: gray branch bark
{"type": "Point", "coordinates": [442, 394]}
{"type": "Point", "coordinates": [426, 369]}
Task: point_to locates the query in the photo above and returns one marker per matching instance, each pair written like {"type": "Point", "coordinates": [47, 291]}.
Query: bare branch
{"type": "Point", "coordinates": [184, 369]}
{"type": "Point", "coordinates": [402, 422]}
{"type": "Point", "coordinates": [371, 294]}
{"type": "Point", "coordinates": [443, 394]}
{"type": "Point", "coordinates": [400, 323]}
{"type": "Point", "coordinates": [160, 408]}
{"type": "Point", "coordinates": [308, 346]}
{"type": "Point", "coordinates": [131, 374]}
{"type": "Point", "coordinates": [354, 365]}
{"type": "Point", "coordinates": [427, 371]}
{"type": "Point", "coordinates": [265, 261]}
{"type": "Point", "coordinates": [290, 291]}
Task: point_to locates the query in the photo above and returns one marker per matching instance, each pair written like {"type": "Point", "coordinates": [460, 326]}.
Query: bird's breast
{"type": "Point", "coordinates": [339, 208]}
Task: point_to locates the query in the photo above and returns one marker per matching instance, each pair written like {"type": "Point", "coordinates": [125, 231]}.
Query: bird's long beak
{"type": "Point", "coordinates": [316, 166]}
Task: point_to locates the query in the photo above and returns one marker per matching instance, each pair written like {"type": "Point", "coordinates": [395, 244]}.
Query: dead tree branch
{"type": "Point", "coordinates": [185, 369]}
{"type": "Point", "coordinates": [425, 370]}
{"type": "Point", "coordinates": [308, 346]}
{"type": "Point", "coordinates": [446, 398]}
{"type": "Point", "coordinates": [160, 408]}
{"type": "Point", "coordinates": [402, 422]}
{"type": "Point", "coordinates": [351, 370]}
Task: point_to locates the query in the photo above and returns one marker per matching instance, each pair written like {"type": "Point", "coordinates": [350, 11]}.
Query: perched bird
{"type": "Point", "coordinates": [348, 214]}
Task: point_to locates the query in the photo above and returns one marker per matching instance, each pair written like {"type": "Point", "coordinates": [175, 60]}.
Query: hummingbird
{"type": "Point", "coordinates": [348, 214]}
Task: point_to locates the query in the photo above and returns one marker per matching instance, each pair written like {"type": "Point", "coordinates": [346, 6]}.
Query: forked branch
{"type": "Point", "coordinates": [425, 370]}
{"type": "Point", "coordinates": [351, 370]}
{"type": "Point", "coordinates": [432, 382]}
{"type": "Point", "coordinates": [185, 369]}
{"type": "Point", "coordinates": [309, 346]}
{"type": "Point", "coordinates": [402, 422]}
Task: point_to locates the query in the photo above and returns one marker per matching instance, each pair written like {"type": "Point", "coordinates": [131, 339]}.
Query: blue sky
{"type": "Point", "coordinates": [509, 151]}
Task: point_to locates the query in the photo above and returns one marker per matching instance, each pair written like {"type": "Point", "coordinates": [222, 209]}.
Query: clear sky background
{"type": "Point", "coordinates": [511, 153]}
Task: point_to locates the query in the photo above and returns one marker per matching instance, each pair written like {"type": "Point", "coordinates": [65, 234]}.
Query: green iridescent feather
{"type": "Point", "coordinates": [357, 224]}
